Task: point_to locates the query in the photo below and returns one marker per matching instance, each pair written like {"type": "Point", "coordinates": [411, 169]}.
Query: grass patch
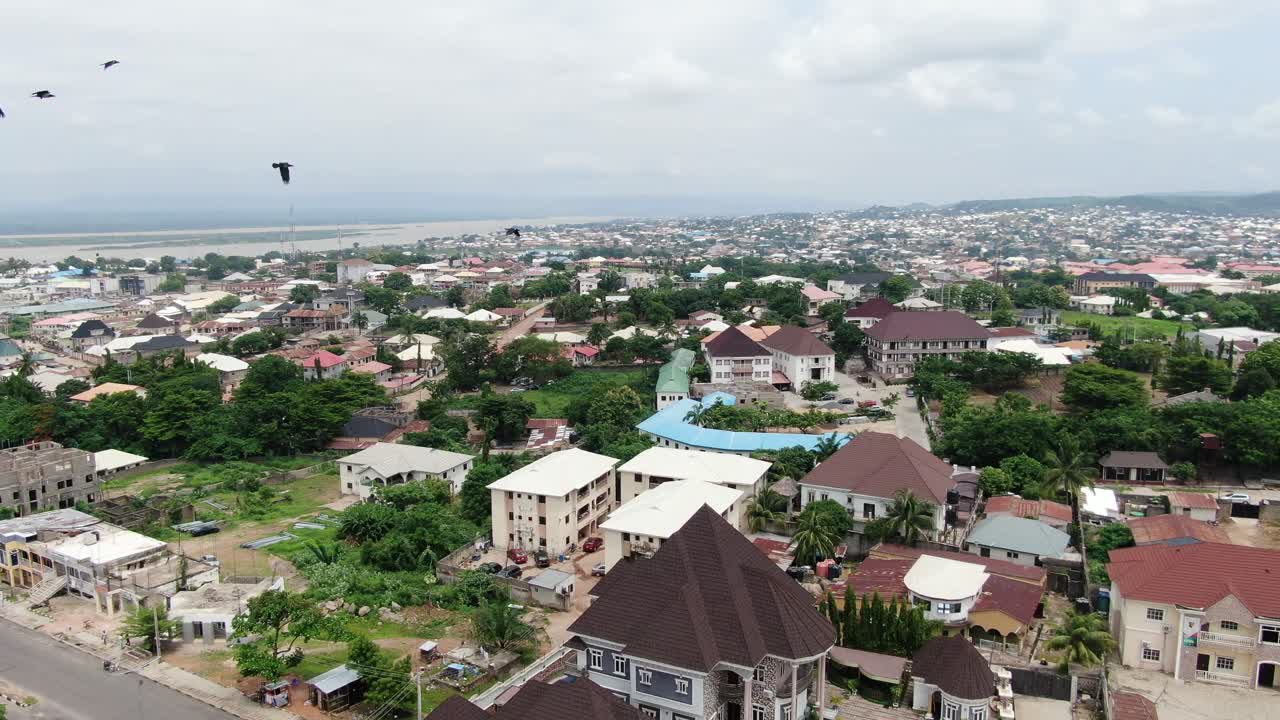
{"type": "Point", "coordinates": [314, 663]}
{"type": "Point", "coordinates": [369, 627]}
{"type": "Point", "coordinates": [553, 401]}
{"type": "Point", "coordinates": [1109, 323]}
{"type": "Point", "coordinates": [292, 499]}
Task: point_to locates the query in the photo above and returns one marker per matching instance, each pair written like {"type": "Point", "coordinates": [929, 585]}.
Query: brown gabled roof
{"type": "Point", "coordinates": [938, 325]}
{"type": "Point", "coordinates": [955, 666]}
{"type": "Point", "coordinates": [883, 576]}
{"type": "Point", "coordinates": [456, 707]}
{"type": "Point", "coordinates": [796, 341]}
{"type": "Point", "coordinates": [1010, 332]}
{"type": "Point", "coordinates": [876, 307]}
{"type": "Point", "coordinates": [1018, 600]}
{"type": "Point", "coordinates": [1198, 575]}
{"type": "Point", "coordinates": [155, 322]}
{"type": "Point", "coordinates": [735, 343]}
{"type": "Point", "coordinates": [1025, 573]}
{"type": "Point", "coordinates": [1133, 459]}
{"type": "Point", "coordinates": [1022, 507]}
{"type": "Point", "coordinates": [577, 700]}
{"type": "Point", "coordinates": [707, 596]}
{"type": "Point", "coordinates": [1166, 528]}
{"type": "Point", "coordinates": [880, 464]}
{"type": "Point", "coordinates": [1200, 501]}
{"type": "Point", "coordinates": [1132, 706]}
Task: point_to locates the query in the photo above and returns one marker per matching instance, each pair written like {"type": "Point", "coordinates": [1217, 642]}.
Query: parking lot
{"type": "Point", "coordinates": [906, 423]}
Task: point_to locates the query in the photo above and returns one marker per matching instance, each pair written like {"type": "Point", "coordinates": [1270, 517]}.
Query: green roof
{"type": "Point", "coordinates": [674, 376]}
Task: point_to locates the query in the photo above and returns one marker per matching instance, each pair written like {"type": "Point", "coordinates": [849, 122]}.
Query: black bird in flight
{"type": "Point", "coordinates": [283, 167]}
{"type": "Point", "coordinates": [513, 231]}
{"type": "Point", "coordinates": [42, 94]}
{"type": "Point", "coordinates": [108, 64]}
{"type": "Point", "coordinates": [1, 112]}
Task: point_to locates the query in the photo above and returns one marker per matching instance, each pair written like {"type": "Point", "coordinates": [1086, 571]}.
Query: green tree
{"type": "Point", "coordinates": [143, 623]}
{"type": "Point", "coordinates": [1253, 382]}
{"type": "Point", "coordinates": [173, 282]}
{"type": "Point", "coordinates": [814, 537]}
{"type": "Point", "coordinates": [765, 508]}
{"type": "Point", "coordinates": [978, 295]}
{"type": "Point", "coordinates": [1083, 640]}
{"type": "Point", "coordinates": [599, 334]}
{"type": "Point", "coordinates": [498, 625]}
{"type": "Point", "coordinates": [304, 294]}
{"type": "Point", "coordinates": [1025, 472]}
{"type": "Point", "coordinates": [1067, 468]}
{"type": "Point", "coordinates": [1189, 373]}
{"type": "Point", "coordinates": [509, 413]}
{"type": "Point", "coordinates": [895, 289]}
{"type": "Point", "coordinates": [397, 281]}
{"type": "Point", "coordinates": [995, 481]}
{"type": "Point", "coordinates": [67, 388]}
{"type": "Point", "coordinates": [814, 390]}
{"type": "Point", "coordinates": [470, 362]}
{"type": "Point", "coordinates": [826, 446]}
{"type": "Point", "coordinates": [909, 517]}
{"type": "Point", "coordinates": [1093, 386]}
{"type": "Point", "coordinates": [277, 617]}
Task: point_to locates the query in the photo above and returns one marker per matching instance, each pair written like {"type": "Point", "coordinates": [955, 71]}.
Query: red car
{"type": "Point", "coordinates": [868, 403]}
{"type": "Point", "coordinates": [592, 544]}
{"type": "Point", "coordinates": [517, 556]}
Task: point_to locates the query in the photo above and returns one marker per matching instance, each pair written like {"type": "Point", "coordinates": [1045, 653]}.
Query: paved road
{"type": "Point", "coordinates": [522, 328]}
{"type": "Point", "coordinates": [71, 685]}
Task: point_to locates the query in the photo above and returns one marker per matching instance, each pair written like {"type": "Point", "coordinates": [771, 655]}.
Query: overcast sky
{"type": "Point", "coordinates": [841, 103]}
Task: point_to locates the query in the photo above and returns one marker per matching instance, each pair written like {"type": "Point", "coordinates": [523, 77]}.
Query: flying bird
{"type": "Point", "coordinates": [513, 231]}
{"type": "Point", "coordinates": [283, 167]}
{"type": "Point", "coordinates": [1, 112]}
{"type": "Point", "coordinates": [108, 64]}
{"type": "Point", "coordinates": [42, 94]}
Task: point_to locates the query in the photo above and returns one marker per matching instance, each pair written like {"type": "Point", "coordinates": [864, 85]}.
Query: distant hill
{"type": "Point", "coordinates": [1194, 203]}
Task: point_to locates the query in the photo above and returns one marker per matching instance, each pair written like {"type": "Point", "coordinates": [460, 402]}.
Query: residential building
{"type": "Point", "coordinates": [308, 319]}
{"type": "Point", "coordinates": [815, 297]}
{"type": "Point", "coordinates": [918, 303]}
{"type": "Point", "coordinates": [110, 462]}
{"type": "Point", "coordinates": [387, 464]}
{"type": "Point", "coordinates": [553, 502]}
{"type": "Point", "coordinates": [734, 356]}
{"type": "Point", "coordinates": [1095, 304]}
{"type": "Point", "coordinates": [1016, 539]}
{"type": "Point", "coordinates": [643, 523]}
{"type": "Point", "coordinates": [372, 425]}
{"type": "Point", "coordinates": [207, 613]}
{"type": "Point", "coordinates": [91, 333]}
{"type": "Point", "coordinates": [1197, 506]}
{"type": "Point", "coordinates": [1099, 506]}
{"type": "Point", "coordinates": [1053, 514]}
{"type": "Point", "coordinates": [536, 700]}
{"type": "Point", "coordinates": [1203, 612]}
{"type": "Point", "coordinates": [231, 370]}
{"type": "Point", "coordinates": [107, 388]}
{"type": "Point", "coordinates": [140, 283]}
{"type": "Point", "coordinates": [1175, 530]}
{"type": "Point", "coordinates": [353, 270]}
{"type": "Point", "coordinates": [44, 476]}
{"type": "Point", "coordinates": [873, 467]}
{"type": "Point", "coordinates": [858, 286]}
{"type": "Point", "coordinates": [345, 299]}
{"type": "Point", "coordinates": [1128, 467]}
{"type": "Point", "coordinates": [707, 628]}
{"type": "Point", "coordinates": [869, 313]}
{"type": "Point", "coordinates": [1092, 283]}
{"type": "Point", "coordinates": [153, 324]}
{"type": "Point", "coordinates": [951, 679]}
{"type": "Point", "coordinates": [323, 365]}
{"type": "Point", "coordinates": [800, 356]}
{"type": "Point", "coordinates": [673, 378]}
{"type": "Point", "coordinates": [658, 465]}
{"type": "Point", "coordinates": [897, 342]}
{"type": "Point", "coordinates": [670, 428]}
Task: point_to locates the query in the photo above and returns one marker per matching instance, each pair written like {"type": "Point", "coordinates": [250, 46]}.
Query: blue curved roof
{"type": "Point", "coordinates": [669, 423]}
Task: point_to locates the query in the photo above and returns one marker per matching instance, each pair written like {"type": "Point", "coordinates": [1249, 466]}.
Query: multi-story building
{"type": "Point", "coordinates": [869, 313]}
{"type": "Point", "coordinates": [800, 356]}
{"type": "Point", "coordinates": [386, 464]}
{"type": "Point", "coordinates": [140, 283]}
{"type": "Point", "coordinates": [901, 339]}
{"type": "Point", "coordinates": [553, 502]}
{"type": "Point", "coordinates": [732, 356]}
{"type": "Point", "coordinates": [708, 627]}
{"type": "Point", "coordinates": [1092, 283]}
{"type": "Point", "coordinates": [673, 378]}
{"type": "Point", "coordinates": [1202, 612]}
{"type": "Point", "coordinates": [659, 465]}
{"type": "Point", "coordinates": [646, 521]}
{"type": "Point", "coordinates": [44, 476]}
{"type": "Point", "coordinates": [353, 270]}
{"type": "Point", "coordinates": [858, 286]}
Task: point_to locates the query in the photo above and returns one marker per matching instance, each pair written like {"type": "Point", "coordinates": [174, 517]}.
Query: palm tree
{"type": "Point", "coordinates": [498, 625]}
{"type": "Point", "coordinates": [909, 517]}
{"type": "Point", "coordinates": [1084, 638]}
{"type": "Point", "coordinates": [360, 320]}
{"type": "Point", "coordinates": [324, 553]}
{"type": "Point", "coordinates": [26, 365]}
{"type": "Point", "coordinates": [826, 447]}
{"type": "Point", "coordinates": [814, 537]}
{"type": "Point", "coordinates": [1067, 468]}
{"type": "Point", "coordinates": [695, 415]}
{"type": "Point", "coordinates": [765, 508]}
{"type": "Point", "coordinates": [668, 329]}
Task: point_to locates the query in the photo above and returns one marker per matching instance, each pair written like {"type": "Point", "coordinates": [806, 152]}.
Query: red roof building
{"type": "Point", "coordinates": [1175, 530]}
{"type": "Point", "coordinates": [866, 473]}
{"type": "Point", "coordinates": [1048, 512]}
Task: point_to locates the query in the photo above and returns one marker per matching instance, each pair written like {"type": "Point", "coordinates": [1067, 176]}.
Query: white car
{"type": "Point", "coordinates": [1236, 497]}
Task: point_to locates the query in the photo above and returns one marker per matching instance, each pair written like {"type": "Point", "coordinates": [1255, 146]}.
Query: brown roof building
{"type": "Point", "coordinates": [707, 608]}
{"type": "Point", "coordinates": [949, 673]}
{"type": "Point", "coordinates": [1175, 530]}
{"type": "Point", "coordinates": [896, 343]}
{"type": "Point", "coordinates": [865, 475]}
{"type": "Point", "coordinates": [577, 700]}
{"type": "Point", "coordinates": [1051, 513]}
{"type": "Point", "coordinates": [799, 356]}
{"type": "Point", "coordinates": [734, 357]}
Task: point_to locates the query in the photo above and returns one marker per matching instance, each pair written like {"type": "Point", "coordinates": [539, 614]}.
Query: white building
{"type": "Point", "coordinates": [642, 524]}
{"type": "Point", "coordinates": [800, 356]}
{"type": "Point", "coordinates": [945, 589]}
{"type": "Point", "coordinates": [556, 501]}
{"type": "Point", "coordinates": [656, 466]}
{"type": "Point", "coordinates": [231, 370]}
{"type": "Point", "coordinates": [387, 464]}
{"type": "Point", "coordinates": [207, 612]}
{"type": "Point", "coordinates": [733, 356]}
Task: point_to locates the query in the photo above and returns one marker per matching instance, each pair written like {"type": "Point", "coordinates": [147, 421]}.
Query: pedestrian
{"type": "Point", "coordinates": [104, 637]}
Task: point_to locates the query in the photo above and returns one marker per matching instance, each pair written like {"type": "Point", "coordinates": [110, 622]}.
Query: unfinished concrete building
{"type": "Point", "coordinates": [46, 476]}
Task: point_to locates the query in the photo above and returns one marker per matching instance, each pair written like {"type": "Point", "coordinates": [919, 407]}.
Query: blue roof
{"type": "Point", "coordinates": [58, 308]}
{"type": "Point", "coordinates": [669, 423]}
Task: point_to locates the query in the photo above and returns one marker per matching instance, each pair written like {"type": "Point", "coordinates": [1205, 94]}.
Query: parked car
{"type": "Point", "coordinates": [910, 392]}
{"type": "Point", "coordinates": [828, 396]}
{"type": "Point", "coordinates": [518, 556]}
{"type": "Point", "coordinates": [511, 571]}
{"type": "Point", "coordinates": [868, 403]}
{"type": "Point", "coordinates": [542, 559]}
{"type": "Point", "coordinates": [598, 570]}
{"type": "Point", "coordinates": [847, 401]}
{"type": "Point", "coordinates": [592, 544]}
{"type": "Point", "coordinates": [491, 568]}
{"type": "Point", "coordinates": [1236, 497]}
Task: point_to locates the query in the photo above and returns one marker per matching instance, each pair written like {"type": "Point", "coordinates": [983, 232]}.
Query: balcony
{"type": "Point", "coordinates": [1232, 640]}
{"type": "Point", "coordinates": [783, 686]}
{"type": "Point", "coordinates": [1223, 678]}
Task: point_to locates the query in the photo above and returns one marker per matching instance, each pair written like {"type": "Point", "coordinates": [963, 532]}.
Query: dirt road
{"type": "Point", "coordinates": [522, 328]}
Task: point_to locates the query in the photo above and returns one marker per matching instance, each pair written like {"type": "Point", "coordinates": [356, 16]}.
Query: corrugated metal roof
{"type": "Point", "coordinates": [669, 423]}
{"type": "Point", "coordinates": [335, 679]}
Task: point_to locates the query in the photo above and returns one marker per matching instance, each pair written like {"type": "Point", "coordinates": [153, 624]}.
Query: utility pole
{"type": "Point", "coordinates": [155, 620]}
{"type": "Point", "coordinates": [418, 681]}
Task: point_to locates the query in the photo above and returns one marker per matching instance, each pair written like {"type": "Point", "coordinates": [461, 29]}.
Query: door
{"type": "Point", "coordinates": [1202, 663]}
{"type": "Point", "coordinates": [1267, 675]}
{"type": "Point", "coordinates": [733, 711]}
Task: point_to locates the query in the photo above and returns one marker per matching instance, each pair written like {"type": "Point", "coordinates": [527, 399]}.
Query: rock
{"type": "Point", "coordinates": [349, 607]}
{"type": "Point", "coordinates": [364, 610]}
{"type": "Point", "coordinates": [396, 606]}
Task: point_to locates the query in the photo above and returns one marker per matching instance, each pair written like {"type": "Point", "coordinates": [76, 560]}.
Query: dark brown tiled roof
{"type": "Point", "coordinates": [1016, 599]}
{"type": "Point", "coordinates": [577, 700]}
{"type": "Point", "coordinates": [1132, 706]}
{"type": "Point", "coordinates": [955, 666]}
{"type": "Point", "coordinates": [939, 325]}
{"type": "Point", "coordinates": [880, 464]}
{"type": "Point", "coordinates": [1132, 459]}
{"type": "Point", "coordinates": [707, 596]}
{"type": "Point", "coordinates": [456, 707]}
{"type": "Point", "coordinates": [734, 343]}
{"type": "Point", "coordinates": [876, 307]}
{"type": "Point", "coordinates": [795, 341]}
{"type": "Point", "coordinates": [154, 321]}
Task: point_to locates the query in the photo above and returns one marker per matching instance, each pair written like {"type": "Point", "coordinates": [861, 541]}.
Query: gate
{"type": "Point", "coordinates": [1044, 683]}
{"type": "Point", "coordinates": [1244, 510]}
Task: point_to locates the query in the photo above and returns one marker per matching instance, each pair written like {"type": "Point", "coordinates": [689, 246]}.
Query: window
{"type": "Point", "coordinates": [869, 510]}
{"type": "Point", "coordinates": [1270, 634]}
{"type": "Point", "coordinates": [1156, 614]}
{"type": "Point", "coordinates": [978, 713]}
{"type": "Point", "coordinates": [643, 676]}
{"type": "Point", "coordinates": [947, 608]}
{"type": "Point", "coordinates": [757, 712]}
{"type": "Point", "coordinates": [595, 659]}
{"type": "Point", "coordinates": [759, 673]}
{"type": "Point", "coordinates": [786, 712]}
{"type": "Point", "coordinates": [950, 711]}
{"type": "Point", "coordinates": [1151, 654]}
{"type": "Point", "coordinates": [1011, 554]}
{"type": "Point", "coordinates": [619, 665]}
{"type": "Point", "coordinates": [682, 686]}
{"type": "Point", "coordinates": [1226, 663]}
{"type": "Point", "coordinates": [649, 711]}
{"type": "Point", "coordinates": [1229, 625]}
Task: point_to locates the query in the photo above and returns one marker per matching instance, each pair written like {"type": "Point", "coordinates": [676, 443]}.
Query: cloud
{"type": "Point", "coordinates": [1089, 117]}
{"type": "Point", "coordinates": [663, 77]}
{"type": "Point", "coordinates": [1166, 116]}
{"type": "Point", "coordinates": [947, 85]}
{"type": "Point", "coordinates": [1263, 122]}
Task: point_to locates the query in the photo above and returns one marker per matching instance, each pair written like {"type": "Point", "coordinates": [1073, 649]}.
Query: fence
{"type": "Point", "coordinates": [540, 666]}
{"type": "Point", "coordinates": [1042, 682]}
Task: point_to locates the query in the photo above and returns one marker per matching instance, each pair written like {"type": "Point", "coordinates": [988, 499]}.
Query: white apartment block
{"type": "Point", "coordinates": [556, 501]}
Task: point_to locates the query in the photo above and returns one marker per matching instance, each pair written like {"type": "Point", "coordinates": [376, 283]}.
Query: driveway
{"type": "Point", "coordinates": [1197, 700]}
{"type": "Point", "coordinates": [522, 328]}
{"type": "Point", "coordinates": [907, 421]}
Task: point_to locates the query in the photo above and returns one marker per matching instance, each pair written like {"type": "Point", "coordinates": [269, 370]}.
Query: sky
{"type": "Point", "coordinates": [786, 104]}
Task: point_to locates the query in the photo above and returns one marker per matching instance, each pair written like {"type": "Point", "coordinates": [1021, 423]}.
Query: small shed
{"type": "Point", "coordinates": [335, 689]}
{"type": "Point", "coordinates": [552, 588]}
{"type": "Point", "coordinates": [428, 651]}
{"type": "Point", "coordinates": [1125, 466]}
{"type": "Point", "coordinates": [276, 694]}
